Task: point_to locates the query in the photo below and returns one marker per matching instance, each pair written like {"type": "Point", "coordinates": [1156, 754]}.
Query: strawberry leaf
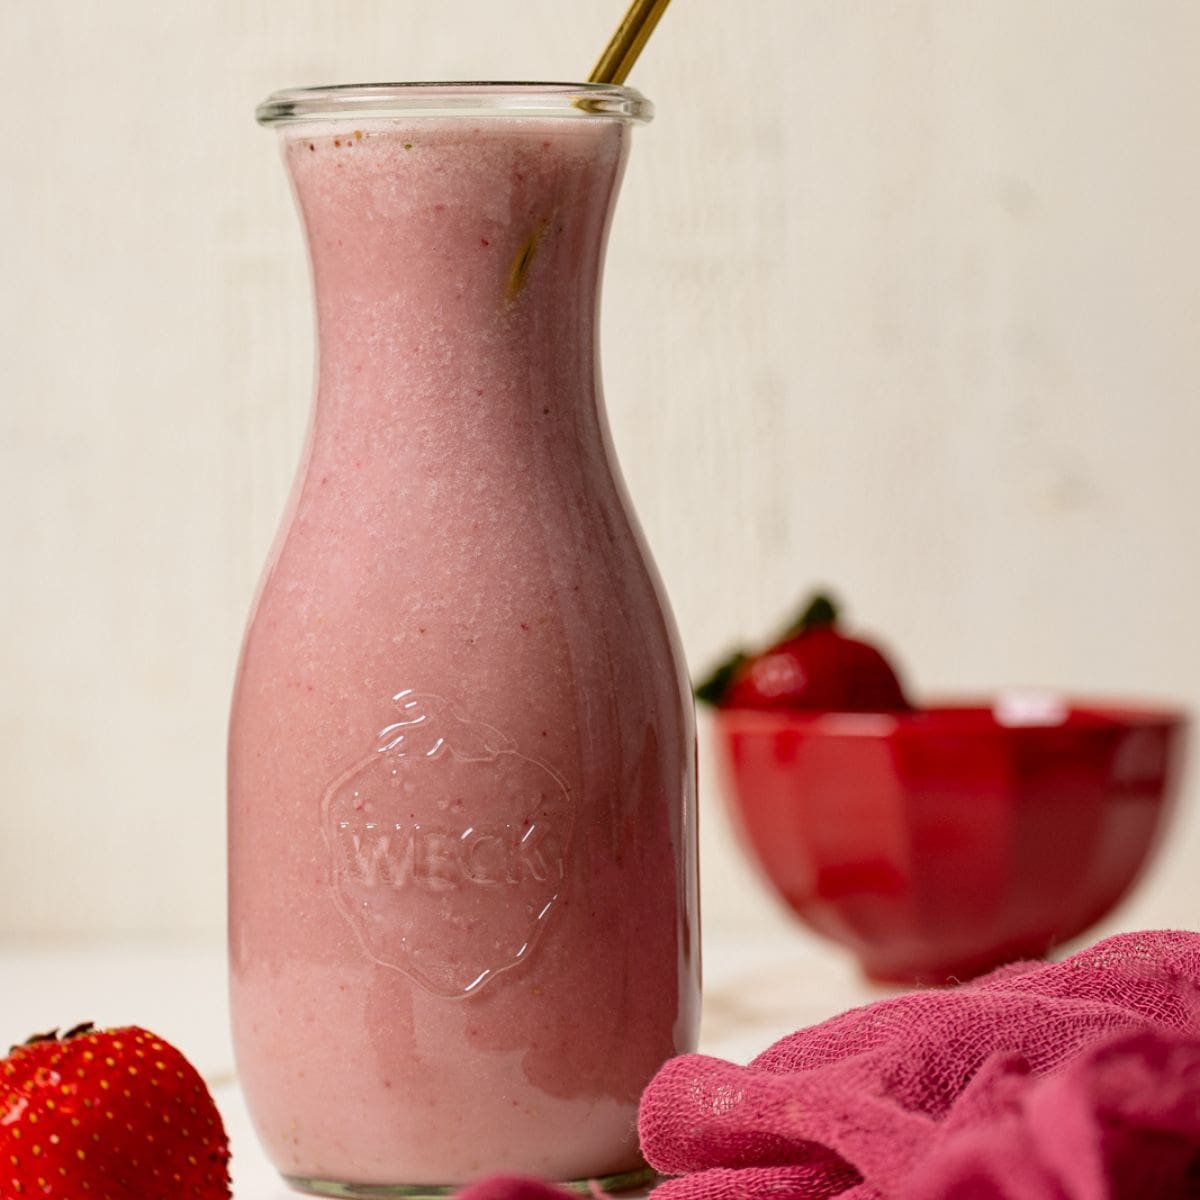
{"type": "Point", "coordinates": [820, 610]}
{"type": "Point", "coordinates": [713, 689]}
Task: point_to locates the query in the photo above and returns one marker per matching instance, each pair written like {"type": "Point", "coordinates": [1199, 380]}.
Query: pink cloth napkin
{"type": "Point", "coordinates": [1077, 1080]}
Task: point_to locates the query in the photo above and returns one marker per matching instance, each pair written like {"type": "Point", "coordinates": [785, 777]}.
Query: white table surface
{"type": "Point", "coordinates": [756, 989]}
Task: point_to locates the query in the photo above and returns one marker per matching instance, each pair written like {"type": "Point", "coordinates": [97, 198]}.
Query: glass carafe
{"type": "Point", "coordinates": [463, 913]}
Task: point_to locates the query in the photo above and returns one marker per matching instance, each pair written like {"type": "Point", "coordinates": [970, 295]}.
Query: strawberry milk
{"type": "Point", "coordinates": [462, 824]}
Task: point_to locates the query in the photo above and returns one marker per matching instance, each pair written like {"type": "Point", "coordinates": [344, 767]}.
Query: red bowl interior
{"type": "Point", "coordinates": [940, 843]}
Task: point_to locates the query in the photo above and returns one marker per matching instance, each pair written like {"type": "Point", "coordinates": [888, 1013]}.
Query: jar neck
{"type": "Point", "coordinates": [454, 261]}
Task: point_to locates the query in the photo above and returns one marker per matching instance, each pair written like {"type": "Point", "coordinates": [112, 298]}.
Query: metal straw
{"type": "Point", "coordinates": [621, 53]}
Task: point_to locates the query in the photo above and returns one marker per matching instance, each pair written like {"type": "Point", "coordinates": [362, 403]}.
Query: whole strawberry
{"type": "Point", "coordinates": [117, 1113]}
{"type": "Point", "coordinates": [812, 667]}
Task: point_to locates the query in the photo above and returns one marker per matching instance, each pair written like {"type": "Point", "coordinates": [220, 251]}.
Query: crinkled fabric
{"type": "Point", "coordinates": [1077, 1080]}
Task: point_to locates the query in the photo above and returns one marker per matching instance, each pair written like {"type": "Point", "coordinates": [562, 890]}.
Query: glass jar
{"type": "Point", "coordinates": [463, 897]}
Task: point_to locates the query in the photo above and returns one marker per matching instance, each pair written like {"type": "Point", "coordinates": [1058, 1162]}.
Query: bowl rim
{"type": "Point", "coordinates": [969, 714]}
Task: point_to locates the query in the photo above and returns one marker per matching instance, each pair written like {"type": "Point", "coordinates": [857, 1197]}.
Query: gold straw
{"type": "Point", "coordinates": [621, 53]}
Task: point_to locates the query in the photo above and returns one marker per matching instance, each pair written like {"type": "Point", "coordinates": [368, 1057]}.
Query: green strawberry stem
{"type": "Point", "coordinates": [819, 611]}
{"type": "Point", "coordinates": [52, 1035]}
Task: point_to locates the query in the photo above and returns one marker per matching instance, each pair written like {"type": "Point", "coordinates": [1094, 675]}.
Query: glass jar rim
{"type": "Point", "coordinates": [363, 101]}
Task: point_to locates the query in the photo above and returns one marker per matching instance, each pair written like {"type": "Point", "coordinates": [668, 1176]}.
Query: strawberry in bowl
{"type": "Point", "coordinates": [813, 667]}
{"type": "Point", "coordinates": [935, 841]}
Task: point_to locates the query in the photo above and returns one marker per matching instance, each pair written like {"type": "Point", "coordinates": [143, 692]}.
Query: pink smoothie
{"type": "Point", "coordinates": [463, 892]}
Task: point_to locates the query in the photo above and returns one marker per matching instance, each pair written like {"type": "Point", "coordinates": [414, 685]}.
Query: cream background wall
{"type": "Point", "coordinates": [903, 295]}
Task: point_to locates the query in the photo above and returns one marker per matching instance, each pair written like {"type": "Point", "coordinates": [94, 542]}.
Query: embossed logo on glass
{"type": "Point", "coordinates": [449, 847]}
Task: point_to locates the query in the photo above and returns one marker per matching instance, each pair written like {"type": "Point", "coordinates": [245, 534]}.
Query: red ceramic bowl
{"type": "Point", "coordinates": [936, 845]}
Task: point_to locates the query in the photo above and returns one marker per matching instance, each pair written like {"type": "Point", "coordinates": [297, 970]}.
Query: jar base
{"type": "Point", "coordinates": [625, 1182]}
